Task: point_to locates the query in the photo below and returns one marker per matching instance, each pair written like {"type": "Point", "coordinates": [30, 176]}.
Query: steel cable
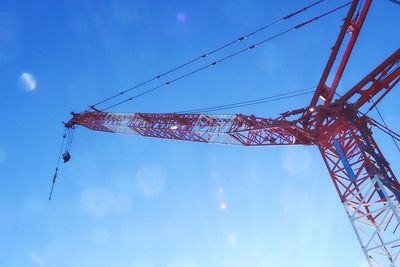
{"type": "Point", "coordinates": [205, 55]}
{"type": "Point", "coordinates": [252, 102]}
{"type": "Point", "coordinates": [251, 47]}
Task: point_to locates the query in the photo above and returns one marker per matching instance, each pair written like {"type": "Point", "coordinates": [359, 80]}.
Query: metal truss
{"type": "Point", "coordinates": [369, 192]}
{"type": "Point", "coordinates": [220, 129]}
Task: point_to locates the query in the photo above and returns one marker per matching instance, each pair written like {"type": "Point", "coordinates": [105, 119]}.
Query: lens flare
{"type": "Point", "coordinates": [222, 205]}
{"type": "Point", "coordinates": [181, 17]}
{"type": "Point", "coordinates": [28, 81]}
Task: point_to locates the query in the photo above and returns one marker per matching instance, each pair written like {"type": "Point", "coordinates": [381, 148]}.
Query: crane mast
{"type": "Point", "coordinates": [366, 185]}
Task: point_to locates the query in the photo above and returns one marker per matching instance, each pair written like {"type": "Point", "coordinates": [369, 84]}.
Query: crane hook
{"type": "Point", "coordinates": [66, 156]}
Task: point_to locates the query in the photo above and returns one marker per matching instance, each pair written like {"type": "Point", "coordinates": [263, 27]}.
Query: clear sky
{"type": "Point", "coordinates": [126, 201]}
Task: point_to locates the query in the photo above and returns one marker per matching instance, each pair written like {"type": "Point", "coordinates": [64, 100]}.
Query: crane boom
{"type": "Point", "coordinates": [366, 185]}
{"type": "Point", "coordinates": [222, 129]}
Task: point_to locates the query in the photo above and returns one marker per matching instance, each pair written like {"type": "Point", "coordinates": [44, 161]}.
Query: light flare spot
{"type": "Point", "coordinates": [36, 259]}
{"type": "Point", "coordinates": [222, 206]}
{"type": "Point", "coordinates": [181, 17]}
{"type": "Point", "coordinates": [97, 202]}
{"type": "Point", "coordinates": [151, 180]}
{"type": "Point", "coordinates": [28, 81]}
{"type": "Point", "coordinates": [100, 201]}
{"type": "Point", "coordinates": [232, 239]}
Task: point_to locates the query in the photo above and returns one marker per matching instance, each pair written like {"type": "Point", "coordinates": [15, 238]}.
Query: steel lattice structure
{"type": "Point", "coordinates": [364, 181]}
{"type": "Point", "coordinates": [222, 129]}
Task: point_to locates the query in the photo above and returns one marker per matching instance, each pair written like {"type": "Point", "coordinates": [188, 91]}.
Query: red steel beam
{"type": "Point", "coordinates": [352, 24]}
{"type": "Point", "coordinates": [383, 77]}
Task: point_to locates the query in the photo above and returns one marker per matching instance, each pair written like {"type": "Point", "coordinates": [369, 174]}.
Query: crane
{"type": "Point", "coordinates": [365, 183]}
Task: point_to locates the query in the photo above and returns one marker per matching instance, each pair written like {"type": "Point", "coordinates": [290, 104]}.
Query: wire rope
{"type": "Point", "coordinates": [251, 47]}
{"type": "Point", "coordinates": [252, 102]}
{"type": "Point", "coordinates": [385, 124]}
{"type": "Point", "coordinates": [205, 55]}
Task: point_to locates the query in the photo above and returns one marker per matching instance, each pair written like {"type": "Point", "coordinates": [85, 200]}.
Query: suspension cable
{"type": "Point", "coordinates": [207, 54]}
{"type": "Point", "coordinates": [253, 101]}
{"type": "Point", "coordinates": [383, 128]}
{"type": "Point", "coordinates": [58, 163]}
{"type": "Point", "coordinates": [386, 126]}
{"type": "Point", "coordinates": [69, 139]}
{"type": "Point", "coordinates": [251, 47]}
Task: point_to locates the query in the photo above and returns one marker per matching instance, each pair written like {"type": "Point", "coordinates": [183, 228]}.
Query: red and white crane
{"type": "Point", "coordinates": [364, 180]}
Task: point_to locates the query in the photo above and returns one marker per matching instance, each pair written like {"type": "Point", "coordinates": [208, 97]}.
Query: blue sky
{"type": "Point", "coordinates": [127, 201]}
